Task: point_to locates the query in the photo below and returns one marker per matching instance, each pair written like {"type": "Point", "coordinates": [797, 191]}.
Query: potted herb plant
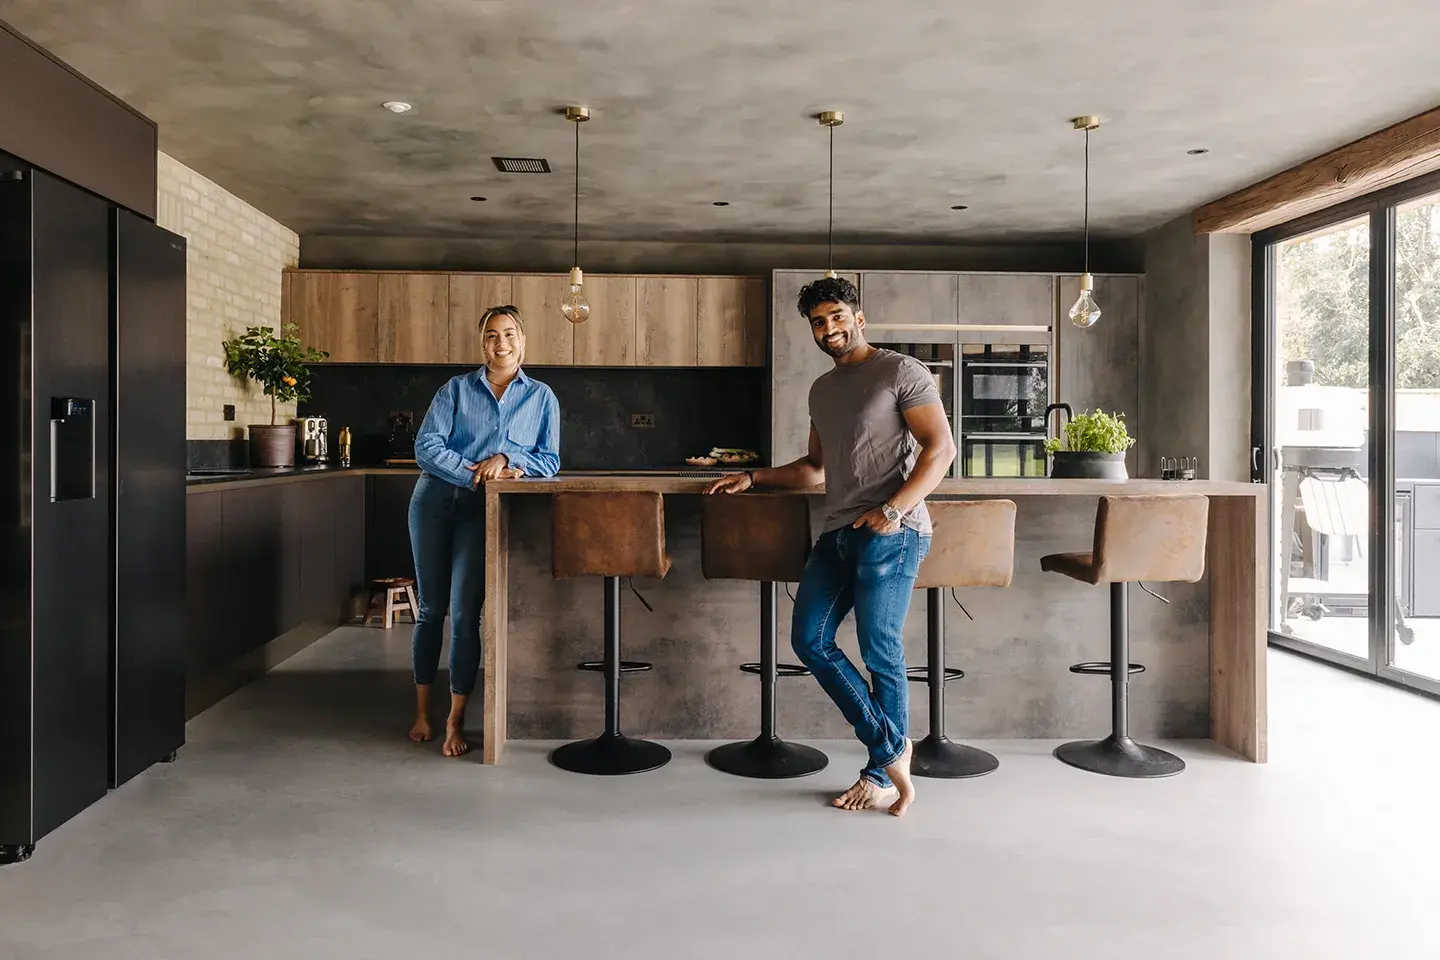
{"type": "Point", "coordinates": [278, 364]}
{"type": "Point", "coordinates": [1094, 447]}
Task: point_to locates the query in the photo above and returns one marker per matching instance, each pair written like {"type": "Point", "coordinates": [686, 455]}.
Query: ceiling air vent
{"type": "Point", "coordinates": [522, 164]}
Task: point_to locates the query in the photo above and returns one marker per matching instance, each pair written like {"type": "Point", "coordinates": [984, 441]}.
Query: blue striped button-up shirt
{"type": "Point", "coordinates": [466, 425]}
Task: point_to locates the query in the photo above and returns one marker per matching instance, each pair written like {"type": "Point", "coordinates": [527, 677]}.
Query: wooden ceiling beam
{"type": "Point", "coordinates": [1397, 153]}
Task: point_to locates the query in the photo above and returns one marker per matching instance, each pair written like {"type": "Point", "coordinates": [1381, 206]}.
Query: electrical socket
{"type": "Point", "coordinates": [229, 412]}
{"type": "Point", "coordinates": [643, 420]}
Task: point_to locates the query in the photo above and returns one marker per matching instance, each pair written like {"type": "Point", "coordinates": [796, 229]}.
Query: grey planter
{"type": "Point", "coordinates": [1088, 465]}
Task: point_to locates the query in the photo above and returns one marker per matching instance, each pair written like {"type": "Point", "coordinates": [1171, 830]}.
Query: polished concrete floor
{"type": "Point", "coordinates": [300, 823]}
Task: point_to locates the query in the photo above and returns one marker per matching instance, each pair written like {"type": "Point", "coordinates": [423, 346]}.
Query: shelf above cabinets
{"type": "Point", "coordinates": [422, 318]}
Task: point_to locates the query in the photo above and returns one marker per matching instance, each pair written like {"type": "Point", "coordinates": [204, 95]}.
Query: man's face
{"type": "Point", "coordinates": [836, 328]}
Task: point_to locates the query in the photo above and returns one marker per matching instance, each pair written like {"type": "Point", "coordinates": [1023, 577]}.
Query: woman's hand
{"type": "Point", "coordinates": [734, 483]}
{"type": "Point", "coordinates": [493, 469]}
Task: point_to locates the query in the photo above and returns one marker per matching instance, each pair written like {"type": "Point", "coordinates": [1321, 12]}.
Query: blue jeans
{"type": "Point", "coordinates": [874, 574]}
{"type": "Point", "coordinates": [447, 539]}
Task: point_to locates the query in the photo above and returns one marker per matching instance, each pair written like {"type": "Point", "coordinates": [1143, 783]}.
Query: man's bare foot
{"type": "Point", "coordinates": [865, 795]}
{"type": "Point", "coordinates": [421, 732]}
{"type": "Point", "coordinates": [455, 743]}
{"type": "Point", "coordinates": [899, 773]}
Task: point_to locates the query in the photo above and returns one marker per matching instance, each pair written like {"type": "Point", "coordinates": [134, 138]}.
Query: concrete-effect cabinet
{"type": "Point", "coordinates": [910, 299]}
{"type": "Point", "coordinates": [795, 362]}
{"type": "Point", "coordinates": [1099, 367]}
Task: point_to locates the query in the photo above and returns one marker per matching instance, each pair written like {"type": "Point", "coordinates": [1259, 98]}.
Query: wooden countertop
{"type": "Point", "coordinates": [1035, 487]}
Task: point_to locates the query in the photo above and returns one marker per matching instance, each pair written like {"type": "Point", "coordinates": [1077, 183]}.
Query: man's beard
{"type": "Point", "coordinates": [844, 345]}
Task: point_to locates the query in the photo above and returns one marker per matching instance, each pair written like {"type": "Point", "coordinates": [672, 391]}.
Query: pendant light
{"type": "Point", "coordinates": [575, 307]}
{"type": "Point", "coordinates": [1086, 312]}
{"type": "Point", "coordinates": [831, 119]}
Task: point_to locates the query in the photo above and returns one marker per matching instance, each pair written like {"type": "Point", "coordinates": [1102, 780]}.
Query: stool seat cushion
{"type": "Point", "coordinates": [973, 544]}
{"type": "Point", "coordinates": [608, 535]}
{"type": "Point", "coordinates": [1078, 566]}
{"type": "Point", "coordinates": [747, 536]}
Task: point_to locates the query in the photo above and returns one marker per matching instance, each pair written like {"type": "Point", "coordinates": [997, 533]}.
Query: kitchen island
{"type": "Point", "coordinates": [1205, 650]}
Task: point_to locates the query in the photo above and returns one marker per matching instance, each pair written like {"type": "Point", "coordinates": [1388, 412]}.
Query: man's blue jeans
{"type": "Point", "coordinates": [447, 538]}
{"type": "Point", "coordinates": [874, 574]}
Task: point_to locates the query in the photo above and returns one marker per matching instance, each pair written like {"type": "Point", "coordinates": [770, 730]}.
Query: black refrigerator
{"type": "Point", "coordinates": [88, 691]}
{"type": "Point", "coordinates": [147, 344]}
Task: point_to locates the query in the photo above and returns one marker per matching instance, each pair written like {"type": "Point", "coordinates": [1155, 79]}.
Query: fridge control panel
{"type": "Point", "coordinates": [72, 448]}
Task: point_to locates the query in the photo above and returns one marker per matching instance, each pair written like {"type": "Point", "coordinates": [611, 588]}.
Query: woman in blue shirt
{"type": "Point", "coordinates": [490, 424]}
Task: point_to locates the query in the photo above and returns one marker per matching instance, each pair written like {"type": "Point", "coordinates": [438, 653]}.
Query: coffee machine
{"type": "Point", "coordinates": [314, 440]}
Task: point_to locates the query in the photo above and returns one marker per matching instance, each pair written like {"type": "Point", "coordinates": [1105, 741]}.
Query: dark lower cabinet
{"type": "Point", "coordinates": [387, 544]}
{"type": "Point", "coordinates": [263, 560]}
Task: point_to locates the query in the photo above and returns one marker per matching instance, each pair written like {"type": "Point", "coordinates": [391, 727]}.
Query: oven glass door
{"type": "Point", "coordinates": [1004, 391]}
{"type": "Point", "coordinates": [1003, 455]}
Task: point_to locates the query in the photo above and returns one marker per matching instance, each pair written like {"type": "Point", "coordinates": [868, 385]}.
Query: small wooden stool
{"type": "Point", "coordinates": [399, 594]}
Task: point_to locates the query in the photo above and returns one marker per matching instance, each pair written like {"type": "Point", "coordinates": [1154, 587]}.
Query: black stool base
{"type": "Point", "coordinates": [1119, 757]}
{"type": "Point", "coordinates": [610, 755]}
{"type": "Point", "coordinates": [15, 853]}
{"type": "Point", "coordinates": [942, 758]}
{"type": "Point", "coordinates": [767, 758]}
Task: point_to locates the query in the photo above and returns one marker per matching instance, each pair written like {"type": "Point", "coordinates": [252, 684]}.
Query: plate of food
{"type": "Point", "coordinates": [733, 456]}
{"type": "Point", "coordinates": [701, 461]}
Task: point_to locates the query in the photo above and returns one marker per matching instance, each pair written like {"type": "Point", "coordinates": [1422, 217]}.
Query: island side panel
{"type": "Point", "coordinates": [496, 623]}
{"type": "Point", "coordinates": [1237, 563]}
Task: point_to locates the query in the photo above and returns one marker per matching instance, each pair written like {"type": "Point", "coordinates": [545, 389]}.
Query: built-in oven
{"type": "Point", "coordinates": [1004, 390]}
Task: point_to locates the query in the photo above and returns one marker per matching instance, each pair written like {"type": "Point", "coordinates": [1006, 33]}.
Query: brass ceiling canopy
{"type": "Point", "coordinates": [577, 114]}
{"type": "Point", "coordinates": [1085, 123]}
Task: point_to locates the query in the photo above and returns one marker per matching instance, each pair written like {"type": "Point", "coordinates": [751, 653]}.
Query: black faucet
{"type": "Point", "coordinates": [1069, 415]}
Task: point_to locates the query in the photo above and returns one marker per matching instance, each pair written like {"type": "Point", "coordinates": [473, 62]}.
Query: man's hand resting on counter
{"type": "Point", "coordinates": [496, 468]}
{"type": "Point", "coordinates": [733, 483]}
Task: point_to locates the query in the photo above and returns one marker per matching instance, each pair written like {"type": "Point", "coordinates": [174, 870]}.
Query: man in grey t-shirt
{"type": "Point", "coordinates": [880, 443]}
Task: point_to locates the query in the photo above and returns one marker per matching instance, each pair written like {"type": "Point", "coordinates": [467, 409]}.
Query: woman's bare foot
{"type": "Point", "coordinates": [899, 773]}
{"type": "Point", "coordinates": [455, 743]}
{"type": "Point", "coordinates": [865, 795]}
{"type": "Point", "coordinates": [421, 732]}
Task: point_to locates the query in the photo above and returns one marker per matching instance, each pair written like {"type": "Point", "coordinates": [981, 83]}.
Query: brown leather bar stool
{"type": "Point", "coordinates": [610, 535]}
{"type": "Point", "coordinates": [973, 545]}
{"type": "Point", "coordinates": [765, 538]}
{"type": "Point", "coordinates": [1136, 539]}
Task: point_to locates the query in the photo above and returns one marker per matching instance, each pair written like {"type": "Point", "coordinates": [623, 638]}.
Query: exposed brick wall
{"type": "Point", "coordinates": [236, 254]}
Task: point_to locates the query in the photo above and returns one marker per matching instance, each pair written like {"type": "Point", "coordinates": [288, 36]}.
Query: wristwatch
{"type": "Point", "coordinates": [891, 514]}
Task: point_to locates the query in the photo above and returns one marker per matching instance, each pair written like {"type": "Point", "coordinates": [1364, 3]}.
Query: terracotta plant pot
{"type": "Point", "coordinates": [1088, 465]}
{"type": "Point", "coordinates": [272, 446]}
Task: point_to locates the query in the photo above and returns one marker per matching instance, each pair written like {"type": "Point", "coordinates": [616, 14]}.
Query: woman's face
{"type": "Point", "coordinates": [504, 342]}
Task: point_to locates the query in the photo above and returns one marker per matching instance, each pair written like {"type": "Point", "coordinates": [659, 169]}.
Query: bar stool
{"type": "Point", "coordinates": [765, 538]}
{"type": "Point", "coordinates": [391, 596]}
{"type": "Point", "coordinates": [973, 545]}
{"type": "Point", "coordinates": [610, 535]}
{"type": "Point", "coordinates": [1136, 539]}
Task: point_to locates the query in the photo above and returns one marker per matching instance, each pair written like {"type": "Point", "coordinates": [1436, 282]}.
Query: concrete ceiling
{"type": "Point", "coordinates": [703, 100]}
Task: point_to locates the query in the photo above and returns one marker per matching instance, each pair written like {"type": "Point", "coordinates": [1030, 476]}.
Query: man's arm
{"type": "Point", "coordinates": [927, 424]}
{"type": "Point", "coordinates": [808, 471]}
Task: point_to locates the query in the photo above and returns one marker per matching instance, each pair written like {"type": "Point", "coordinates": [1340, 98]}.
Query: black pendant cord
{"type": "Point", "coordinates": [576, 261]}
{"type": "Point", "coordinates": [830, 235]}
{"type": "Point", "coordinates": [1087, 200]}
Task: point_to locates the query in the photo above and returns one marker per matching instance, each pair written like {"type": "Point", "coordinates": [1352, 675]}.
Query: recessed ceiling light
{"type": "Point", "coordinates": [959, 206]}
{"type": "Point", "coordinates": [719, 203]}
{"type": "Point", "coordinates": [396, 106]}
{"type": "Point", "coordinates": [1197, 151]}
{"type": "Point", "coordinates": [479, 199]}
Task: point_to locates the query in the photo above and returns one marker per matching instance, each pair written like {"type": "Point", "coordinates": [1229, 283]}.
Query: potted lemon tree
{"type": "Point", "coordinates": [1094, 447]}
{"type": "Point", "coordinates": [279, 364]}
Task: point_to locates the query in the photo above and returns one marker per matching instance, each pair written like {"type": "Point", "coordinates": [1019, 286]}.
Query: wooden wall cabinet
{"type": "Point", "coordinates": [608, 338]}
{"type": "Point", "coordinates": [730, 322]}
{"type": "Point", "coordinates": [414, 318]}
{"type": "Point", "coordinates": [418, 318]}
{"type": "Point", "coordinates": [471, 294]}
{"type": "Point", "coordinates": [667, 329]}
{"type": "Point", "coordinates": [549, 337]}
{"type": "Point", "coordinates": [339, 313]}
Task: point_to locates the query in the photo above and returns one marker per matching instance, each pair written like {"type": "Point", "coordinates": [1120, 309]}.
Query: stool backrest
{"type": "Point", "coordinates": [608, 535]}
{"type": "Point", "coordinates": [973, 544]}
{"type": "Point", "coordinates": [746, 536]}
{"type": "Point", "coordinates": [1151, 538]}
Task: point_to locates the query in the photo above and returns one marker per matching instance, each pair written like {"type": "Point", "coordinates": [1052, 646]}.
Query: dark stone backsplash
{"type": "Point", "coordinates": [694, 409]}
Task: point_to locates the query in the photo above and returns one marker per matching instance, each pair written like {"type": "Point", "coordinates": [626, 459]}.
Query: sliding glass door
{"type": "Point", "coordinates": [1347, 431]}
